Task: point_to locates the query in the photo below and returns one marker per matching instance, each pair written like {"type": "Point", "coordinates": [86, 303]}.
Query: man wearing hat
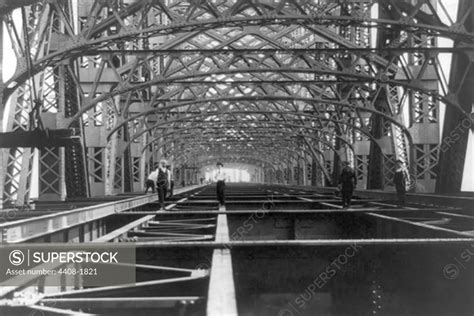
{"type": "Point", "coordinates": [162, 183]}
{"type": "Point", "coordinates": [347, 182]}
{"type": "Point", "coordinates": [220, 183]}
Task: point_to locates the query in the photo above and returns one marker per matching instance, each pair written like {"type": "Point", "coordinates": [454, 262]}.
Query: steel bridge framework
{"type": "Point", "coordinates": [292, 87]}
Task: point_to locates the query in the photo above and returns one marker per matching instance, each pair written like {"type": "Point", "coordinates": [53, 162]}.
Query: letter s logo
{"type": "Point", "coordinates": [16, 257]}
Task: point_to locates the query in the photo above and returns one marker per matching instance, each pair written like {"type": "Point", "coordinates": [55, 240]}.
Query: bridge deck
{"type": "Point", "coordinates": [271, 250]}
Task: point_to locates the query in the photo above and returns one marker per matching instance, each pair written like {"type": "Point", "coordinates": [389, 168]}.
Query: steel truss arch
{"type": "Point", "coordinates": [283, 142]}
{"type": "Point", "coordinates": [260, 112]}
{"type": "Point", "coordinates": [307, 100]}
{"type": "Point", "coordinates": [85, 41]}
{"type": "Point", "coordinates": [294, 133]}
{"type": "Point", "coordinates": [313, 18]}
{"type": "Point", "coordinates": [381, 80]}
{"type": "Point", "coordinates": [277, 158]}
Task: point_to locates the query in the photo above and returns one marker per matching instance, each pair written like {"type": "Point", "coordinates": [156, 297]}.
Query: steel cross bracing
{"type": "Point", "coordinates": [344, 76]}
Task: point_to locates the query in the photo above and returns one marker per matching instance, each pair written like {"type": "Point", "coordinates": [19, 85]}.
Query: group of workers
{"type": "Point", "coordinates": [161, 179]}
{"type": "Point", "coordinates": [348, 182]}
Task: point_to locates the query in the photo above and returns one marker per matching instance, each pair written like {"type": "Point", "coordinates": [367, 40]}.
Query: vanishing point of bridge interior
{"type": "Point", "coordinates": [94, 93]}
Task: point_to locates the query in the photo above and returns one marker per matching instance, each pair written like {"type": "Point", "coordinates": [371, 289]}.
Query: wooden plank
{"type": "Point", "coordinates": [222, 230]}
{"type": "Point", "coordinates": [221, 296]}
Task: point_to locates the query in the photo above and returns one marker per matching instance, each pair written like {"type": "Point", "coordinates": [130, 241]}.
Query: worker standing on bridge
{"type": "Point", "coordinates": [400, 179]}
{"type": "Point", "coordinates": [162, 183]}
{"type": "Point", "coordinates": [151, 180]}
{"type": "Point", "coordinates": [347, 182]}
{"type": "Point", "coordinates": [220, 183]}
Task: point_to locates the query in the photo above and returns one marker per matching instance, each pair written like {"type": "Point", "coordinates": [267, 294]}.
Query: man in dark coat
{"type": "Point", "coordinates": [347, 183]}
{"type": "Point", "coordinates": [162, 183]}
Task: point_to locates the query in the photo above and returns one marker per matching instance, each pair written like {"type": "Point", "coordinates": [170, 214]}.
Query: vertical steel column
{"type": "Point", "coordinates": [424, 113]}
{"type": "Point", "coordinates": [379, 167]}
{"type": "Point", "coordinates": [17, 162]}
{"type": "Point", "coordinates": [77, 177]}
{"type": "Point", "coordinates": [376, 168]}
{"type": "Point", "coordinates": [52, 169]}
{"type": "Point", "coordinates": [111, 152]}
{"type": "Point", "coordinates": [144, 167]}
{"type": "Point", "coordinates": [127, 164]}
{"type": "Point", "coordinates": [457, 127]}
